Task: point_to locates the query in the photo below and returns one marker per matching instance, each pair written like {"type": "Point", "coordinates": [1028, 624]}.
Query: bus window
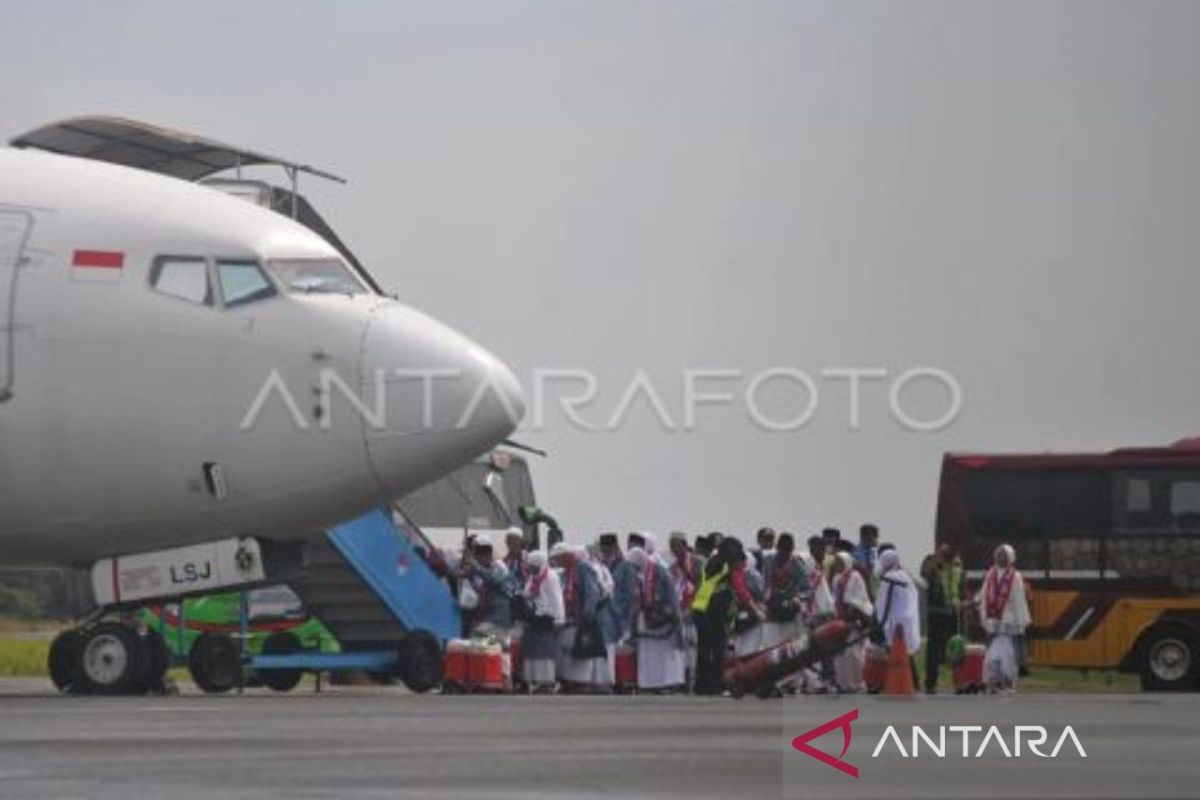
{"type": "Point", "coordinates": [1077, 500]}
{"type": "Point", "coordinates": [1185, 504]}
{"type": "Point", "coordinates": [1004, 504]}
{"type": "Point", "coordinates": [1076, 520]}
{"type": "Point", "coordinates": [1159, 502]}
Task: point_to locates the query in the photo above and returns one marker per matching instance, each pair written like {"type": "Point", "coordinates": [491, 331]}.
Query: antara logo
{"type": "Point", "coordinates": [801, 742]}
{"type": "Point", "coordinates": [1036, 736]}
{"type": "Point", "coordinates": [1032, 737]}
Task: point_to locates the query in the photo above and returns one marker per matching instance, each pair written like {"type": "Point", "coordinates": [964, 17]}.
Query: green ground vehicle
{"type": "Point", "coordinates": [276, 622]}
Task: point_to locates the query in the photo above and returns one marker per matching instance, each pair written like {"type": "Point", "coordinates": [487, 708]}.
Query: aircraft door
{"type": "Point", "coordinates": [15, 226]}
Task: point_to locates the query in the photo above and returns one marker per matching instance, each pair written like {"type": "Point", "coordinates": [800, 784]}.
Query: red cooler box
{"type": "Point", "coordinates": [968, 673]}
{"type": "Point", "coordinates": [457, 656]}
{"type": "Point", "coordinates": [488, 668]}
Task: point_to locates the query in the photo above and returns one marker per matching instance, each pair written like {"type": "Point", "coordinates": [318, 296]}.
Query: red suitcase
{"type": "Point", "coordinates": [488, 668]}
{"type": "Point", "coordinates": [968, 673]}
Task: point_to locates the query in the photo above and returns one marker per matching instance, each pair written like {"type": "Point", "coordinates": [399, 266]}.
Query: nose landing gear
{"type": "Point", "coordinates": [107, 658]}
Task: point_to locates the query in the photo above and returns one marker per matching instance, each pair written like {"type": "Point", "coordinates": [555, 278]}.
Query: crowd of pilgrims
{"type": "Point", "coordinates": [690, 606]}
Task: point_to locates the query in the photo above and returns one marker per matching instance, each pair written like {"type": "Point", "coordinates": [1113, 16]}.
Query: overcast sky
{"type": "Point", "coordinates": [1007, 192]}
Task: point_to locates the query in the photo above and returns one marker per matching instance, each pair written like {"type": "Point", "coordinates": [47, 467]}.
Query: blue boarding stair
{"type": "Point", "coordinates": [366, 582]}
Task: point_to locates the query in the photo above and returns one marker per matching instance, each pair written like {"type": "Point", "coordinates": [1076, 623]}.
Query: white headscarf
{"type": "Point", "coordinates": [544, 589]}
{"type": "Point", "coordinates": [898, 598]}
{"type": "Point", "coordinates": [651, 542]}
{"type": "Point", "coordinates": [638, 557]}
{"type": "Point", "coordinates": [1008, 550]}
{"type": "Point", "coordinates": [851, 586]}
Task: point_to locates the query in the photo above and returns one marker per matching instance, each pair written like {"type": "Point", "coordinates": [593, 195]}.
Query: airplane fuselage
{"type": "Point", "coordinates": [127, 427]}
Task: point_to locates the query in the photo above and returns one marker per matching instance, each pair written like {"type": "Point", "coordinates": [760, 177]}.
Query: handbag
{"type": "Point", "coordinates": [521, 608]}
{"type": "Point", "coordinates": [779, 609]}
{"type": "Point", "coordinates": [877, 635]}
{"type": "Point", "coordinates": [660, 616]}
{"type": "Point", "coordinates": [589, 640]}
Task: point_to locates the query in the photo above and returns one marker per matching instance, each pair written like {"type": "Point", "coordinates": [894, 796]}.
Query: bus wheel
{"type": "Point", "coordinates": [1169, 659]}
{"type": "Point", "coordinates": [280, 644]}
{"type": "Point", "coordinates": [63, 660]}
{"type": "Point", "coordinates": [110, 659]}
{"type": "Point", "coordinates": [419, 659]}
{"type": "Point", "coordinates": [215, 663]}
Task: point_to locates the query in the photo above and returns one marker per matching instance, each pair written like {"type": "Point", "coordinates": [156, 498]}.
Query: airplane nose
{"type": "Point", "coordinates": [444, 399]}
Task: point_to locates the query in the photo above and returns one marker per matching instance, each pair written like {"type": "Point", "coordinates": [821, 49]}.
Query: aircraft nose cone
{"type": "Point", "coordinates": [444, 399]}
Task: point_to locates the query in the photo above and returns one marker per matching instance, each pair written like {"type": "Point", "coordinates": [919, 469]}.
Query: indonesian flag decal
{"type": "Point", "coordinates": [97, 265]}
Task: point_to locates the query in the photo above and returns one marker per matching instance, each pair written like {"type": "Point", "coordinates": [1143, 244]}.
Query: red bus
{"type": "Point", "coordinates": [1110, 545]}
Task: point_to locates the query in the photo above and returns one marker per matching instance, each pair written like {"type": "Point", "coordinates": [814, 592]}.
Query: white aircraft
{"type": "Point", "coordinates": [179, 366]}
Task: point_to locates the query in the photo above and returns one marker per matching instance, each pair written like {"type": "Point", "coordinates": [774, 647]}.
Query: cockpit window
{"type": "Point", "coordinates": [329, 275]}
{"type": "Point", "coordinates": [243, 282]}
{"type": "Point", "coordinates": [182, 278]}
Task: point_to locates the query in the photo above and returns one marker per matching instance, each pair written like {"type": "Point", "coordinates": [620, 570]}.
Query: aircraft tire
{"type": "Point", "coordinates": [215, 663]}
{"type": "Point", "coordinates": [110, 659]}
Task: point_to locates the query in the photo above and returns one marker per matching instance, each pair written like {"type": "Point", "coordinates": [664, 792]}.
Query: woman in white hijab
{"type": "Point", "coordinates": [540, 643]}
{"type": "Point", "coordinates": [898, 605]}
{"type": "Point", "coordinates": [850, 599]}
{"type": "Point", "coordinates": [1004, 609]}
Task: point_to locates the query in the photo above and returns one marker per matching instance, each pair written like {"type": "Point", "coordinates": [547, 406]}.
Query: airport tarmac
{"type": "Point", "coordinates": [380, 742]}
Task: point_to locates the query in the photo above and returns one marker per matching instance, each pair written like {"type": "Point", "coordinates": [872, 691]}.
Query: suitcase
{"type": "Point", "coordinates": [968, 673]}
{"type": "Point", "coordinates": [626, 668]}
{"type": "Point", "coordinates": [875, 668]}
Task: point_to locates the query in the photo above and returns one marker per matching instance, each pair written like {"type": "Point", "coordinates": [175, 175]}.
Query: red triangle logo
{"type": "Point", "coordinates": [801, 742]}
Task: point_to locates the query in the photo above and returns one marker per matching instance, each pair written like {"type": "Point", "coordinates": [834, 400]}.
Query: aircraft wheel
{"type": "Point", "coordinates": [63, 660]}
{"type": "Point", "coordinates": [110, 659]}
{"type": "Point", "coordinates": [281, 680]}
{"type": "Point", "coordinates": [420, 661]}
{"type": "Point", "coordinates": [215, 663]}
